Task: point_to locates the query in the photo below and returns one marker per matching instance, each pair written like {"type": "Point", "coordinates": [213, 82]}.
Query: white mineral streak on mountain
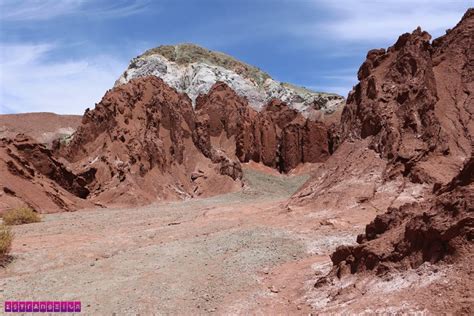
{"type": "Point", "coordinates": [193, 70]}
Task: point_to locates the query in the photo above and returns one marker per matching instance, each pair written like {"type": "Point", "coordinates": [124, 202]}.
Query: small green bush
{"type": "Point", "coordinates": [21, 215]}
{"type": "Point", "coordinates": [6, 238]}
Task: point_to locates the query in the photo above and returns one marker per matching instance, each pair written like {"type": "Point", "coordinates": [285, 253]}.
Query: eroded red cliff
{"type": "Point", "coordinates": [414, 107]}
{"type": "Point", "coordinates": [278, 136]}
{"type": "Point", "coordinates": [140, 140]}
{"type": "Point", "coordinates": [32, 176]}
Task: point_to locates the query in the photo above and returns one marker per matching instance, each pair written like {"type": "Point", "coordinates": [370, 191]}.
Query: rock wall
{"type": "Point", "coordinates": [140, 139]}
{"type": "Point", "coordinates": [414, 101]}
{"type": "Point", "coordinates": [414, 107]}
{"type": "Point", "coordinates": [277, 136]}
{"type": "Point", "coordinates": [32, 176]}
{"type": "Point", "coordinates": [145, 142]}
{"type": "Point", "coordinates": [405, 237]}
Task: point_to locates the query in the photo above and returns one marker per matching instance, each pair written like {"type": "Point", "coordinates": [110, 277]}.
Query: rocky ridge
{"type": "Point", "coordinates": [145, 142]}
{"type": "Point", "coordinates": [140, 141]}
{"type": "Point", "coordinates": [194, 70]}
{"type": "Point", "coordinates": [277, 136]}
{"type": "Point", "coordinates": [406, 237]}
{"type": "Point", "coordinates": [413, 108]}
{"type": "Point", "coordinates": [414, 103]}
{"type": "Point", "coordinates": [32, 175]}
{"type": "Point", "coordinates": [402, 155]}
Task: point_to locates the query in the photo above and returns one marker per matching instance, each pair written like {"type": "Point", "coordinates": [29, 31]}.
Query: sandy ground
{"type": "Point", "coordinates": [239, 253]}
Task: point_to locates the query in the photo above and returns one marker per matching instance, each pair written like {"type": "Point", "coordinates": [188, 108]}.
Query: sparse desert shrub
{"type": "Point", "coordinates": [20, 215]}
{"type": "Point", "coordinates": [6, 237]}
{"type": "Point", "coordinates": [65, 139]}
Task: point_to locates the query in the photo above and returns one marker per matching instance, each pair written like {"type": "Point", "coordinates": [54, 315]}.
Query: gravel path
{"type": "Point", "coordinates": [240, 253]}
{"type": "Point", "coordinates": [182, 257]}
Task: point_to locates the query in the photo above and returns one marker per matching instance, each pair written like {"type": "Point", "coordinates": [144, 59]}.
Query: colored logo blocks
{"type": "Point", "coordinates": [42, 306]}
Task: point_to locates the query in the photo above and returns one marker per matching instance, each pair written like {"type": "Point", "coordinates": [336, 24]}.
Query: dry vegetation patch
{"type": "Point", "coordinates": [21, 215]}
{"type": "Point", "coordinates": [6, 238]}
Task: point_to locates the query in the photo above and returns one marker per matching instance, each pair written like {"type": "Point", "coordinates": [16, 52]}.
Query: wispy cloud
{"type": "Point", "coordinates": [376, 21]}
{"type": "Point", "coordinates": [324, 41]}
{"type": "Point", "coordinates": [340, 84]}
{"type": "Point", "coordinates": [29, 83]}
{"type": "Point", "coordinates": [342, 90]}
{"type": "Point", "coordinates": [31, 10]}
{"type": "Point", "coordinates": [344, 30]}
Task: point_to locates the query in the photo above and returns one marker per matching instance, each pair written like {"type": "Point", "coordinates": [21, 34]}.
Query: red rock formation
{"type": "Point", "coordinates": [278, 136]}
{"type": "Point", "coordinates": [31, 175]}
{"type": "Point", "coordinates": [405, 237]}
{"type": "Point", "coordinates": [414, 106]}
{"type": "Point", "coordinates": [415, 102]}
{"type": "Point", "coordinates": [140, 140]}
{"type": "Point", "coordinates": [144, 142]}
{"type": "Point", "coordinates": [394, 100]}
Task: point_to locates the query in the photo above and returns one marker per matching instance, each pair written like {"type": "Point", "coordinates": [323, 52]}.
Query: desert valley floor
{"type": "Point", "coordinates": [244, 252]}
{"type": "Point", "coordinates": [237, 194]}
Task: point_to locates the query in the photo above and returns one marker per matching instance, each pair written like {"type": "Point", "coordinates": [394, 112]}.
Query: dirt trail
{"type": "Point", "coordinates": [199, 256]}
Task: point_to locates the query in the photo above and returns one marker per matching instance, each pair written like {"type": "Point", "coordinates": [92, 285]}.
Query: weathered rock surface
{"type": "Point", "coordinates": [405, 237]}
{"type": "Point", "coordinates": [415, 103]}
{"type": "Point", "coordinates": [32, 176]}
{"type": "Point", "coordinates": [414, 108]}
{"type": "Point", "coordinates": [145, 142]}
{"type": "Point", "coordinates": [277, 136]}
{"type": "Point", "coordinates": [139, 140]}
{"type": "Point", "coordinates": [194, 70]}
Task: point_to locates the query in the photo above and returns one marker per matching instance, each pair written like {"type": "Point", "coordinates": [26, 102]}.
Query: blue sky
{"type": "Point", "coordinates": [62, 55]}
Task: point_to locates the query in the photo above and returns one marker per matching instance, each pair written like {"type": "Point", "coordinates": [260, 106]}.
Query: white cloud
{"type": "Point", "coordinates": [346, 29]}
{"type": "Point", "coordinates": [339, 80]}
{"type": "Point", "coordinates": [17, 10]}
{"type": "Point", "coordinates": [29, 83]}
{"type": "Point", "coordinates": [37, 10]}
{"type": "Point", "coordinates": [376, 21]}
{"type": "Point", "coordinates": [342, 90]}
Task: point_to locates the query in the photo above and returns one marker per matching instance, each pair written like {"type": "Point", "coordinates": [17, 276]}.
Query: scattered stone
{"type": "Point", "coordinates": [273, 289]}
